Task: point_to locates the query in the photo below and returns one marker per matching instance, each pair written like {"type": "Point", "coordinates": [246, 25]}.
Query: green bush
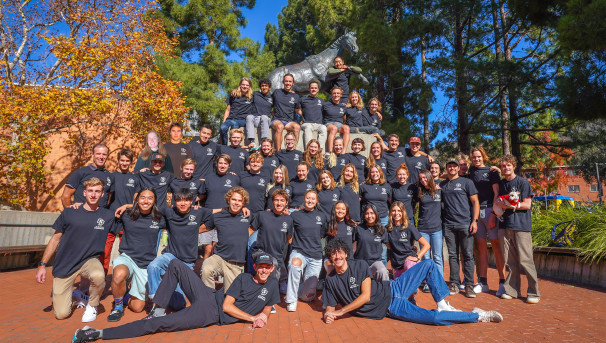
{"type": "Point", "coordinates": [590, 237]}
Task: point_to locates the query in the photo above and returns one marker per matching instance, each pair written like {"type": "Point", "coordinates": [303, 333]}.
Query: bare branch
{"type": "Point", "coordinates": [84, 121]}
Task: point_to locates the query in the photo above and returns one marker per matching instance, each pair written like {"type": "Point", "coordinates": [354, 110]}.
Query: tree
{"type": "Point", "coordinates": [75, 68]}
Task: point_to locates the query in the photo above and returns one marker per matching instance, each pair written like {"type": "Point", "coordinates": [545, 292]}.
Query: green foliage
{"type": "Point", "coordinates": [590, 237]}
{"type": "Point", "coordinates": [589, 140]}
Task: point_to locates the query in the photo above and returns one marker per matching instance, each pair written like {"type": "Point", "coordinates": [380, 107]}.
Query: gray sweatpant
{"type": "Point", "coordinates": [253, 121]}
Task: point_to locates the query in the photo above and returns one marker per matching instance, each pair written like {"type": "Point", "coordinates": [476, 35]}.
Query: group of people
{"type": "Point", "coordinates": [269, 221]}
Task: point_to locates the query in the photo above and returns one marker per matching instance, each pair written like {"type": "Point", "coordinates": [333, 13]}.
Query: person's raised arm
{"type": "Point", "coordinates": [203, 228]}
{"type": "Point", "coordinates": [363, 298]}
{"type": "Point", "coordinates": [355, 69]}
{"type": "Point", "coordinates": [121, 210]}
{"type": "Point", "coordinates": [66, 197]}
{"type": "Point", "coordinates": [51, 247]}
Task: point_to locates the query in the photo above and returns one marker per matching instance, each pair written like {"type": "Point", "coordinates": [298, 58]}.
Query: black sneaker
{"type": "Point", "coordinates": [115, 316]}
{"type": "Point", "coordinates": [469, 292]}
{"type": "Point", "coordinates": [86, 334]}
{"type": "Point", "coordinates": [454, 288]}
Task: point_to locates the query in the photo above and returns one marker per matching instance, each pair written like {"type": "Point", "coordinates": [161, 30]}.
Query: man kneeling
{"type": "Point", "coordinates": [249, 298]}
{"type": "Point", "coordinates": [350, 285]}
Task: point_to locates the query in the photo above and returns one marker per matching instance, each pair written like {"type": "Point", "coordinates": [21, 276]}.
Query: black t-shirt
{"type": "Point", "coordinates": [140, 238]}
{"type": "Point", "coordinates": [299, 188]}
{"type": "Point", "coordinates": [346, 233]}
{"type": "Point", "coordinates": [332, 112]}
{"type": "Point", "coordinates": [290, 159]}
{"type": "Point", "coordinates": [78, 177]}
{"type": "Point", "coordinates": [369, 246]}
{"type": "Point", "coordinates": [193, 185]}
{"type": "Point", "coordinates": [483, 178]}
{"type": "Point", "coordinates": [430, 212]}
{"type": "Point", "coordinates": [183, 231]}
{"type": "Point", "coordinates": [232, 235]}
{"type": "Point", "coordinates": [269, 165]}
{"type": "Point", "coordinates": [84, 235]}
{"type": "Point", "coordinates": [203, 155]}
{"type": "Point", "coordinates": [406, 194]}
{"type": "Point", "coordinates": [327, 199]}
{"type": "Point", "coordinates": [178, 153]}
{"type": "Point", "coordinates": [371, 119]}
{"type": "Point", "coordinates": [520, 220]}
{"type": "Point", "coordinates": [216, 186]}
{"type": "Point", "coordinates": [239, 157]}
{"type": "Point", "coordinates": [240, 107]}
{"type": "Point", "coordinates": [159, 182]}
{"type": "Point", "coordinates": [352, 199]}
{"type": "Point", "coordinates": [416, 164]}
{"type": "Point", "coordinates": [126, 185]}
{"type": "Point", "coordinates": [343, 289]}
{"type": "Point", "coordinates": [341, 162]}
{"type": "Point", "coordinates": [309, 228]}
{"type": "Point", "coordinates": [354, 116]}
{"type": "Point", "coordinates": [401, 243]}
{"type": "Point", "coordinates": [273, 231]}
{"type": "Point", "coordinates": [341, 80]}
{"type": "Point", "coordinates": [381, 162]}
{"type": "Point", "coordinates": [314, 172]}
{"type": "Point", "coordinates": [262, 104]}
{"type": "Point", "coordinates": [455, 196]}
{"type": "Point", "coordinates": [359, 161]}
{"type": "Point", "coordinates": [285, 104]}
{"type": "Point", "coordinates": [312, 109]}
{"type": "Point", "coordinates": [394, 159]}
{"type": "Point", "coordinates": [269, 205]}
{"type": "Point", "coordinates": [377, 195]}
{"type": "Point", "coordinates": [251, 297]}
{"type": "Point", "coordinates": [255, 185]}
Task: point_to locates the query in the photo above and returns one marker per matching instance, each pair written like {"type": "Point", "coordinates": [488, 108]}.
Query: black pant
{"type": "Point", "coordinates": [202, 312]}
{"type": "Point", "coordinates": [460, 237]}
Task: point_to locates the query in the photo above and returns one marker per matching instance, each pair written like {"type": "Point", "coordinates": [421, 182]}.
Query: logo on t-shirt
{"type": "Point", "coordinates": [319, 102]}
{"type": "Point", "coordinates": [352, 282]}
{"type": "Point", "coordinates": [209, 152]}
{"type": "Point", "coordinates": [382, 165]}
{"type": "Point", "coordinates": [109, 181]}
{"type": "Point", "coordinates": [309, 186]}
{"type": "Point", "coordinates": [242, 156]}
{"type": "Point", "coordinates": [437, 197]}
{"type": "Point", "coordinates": [400, 155]}
{"type": "Point", "coordinates": [131, 183]}
{"type": "Point", "coordinates": [485, 175]}
{"type": "Point", "coordinates": [335, 197]}
{"type": "Point", "coordinates": [243, 219]}
{"type": "Point", "coordinates": [192, 220]}
{"type": "Point", "coordinates": [154, 225]}
{"type": "Point", "coordinates": [383, 190]}
{"type": "Point", "coordinates": [192, 185]}
{"type": "Point", "coordinates": [100, 223]}
{"type": "Point", "coordinates": [263, 294]}
{"type": "Point", "coordinates": [183, 151]}
{"type": "Point", "coordinates": [419, 165]}
{"type": "Point", "coordinates": [227, 183]}
{"type": "Point", "coordinates": [342, 161]}
{"type": "Point", "coordinates": [270, 100]}
{"type": "Point", "coordinates": [341, 111]}
{"type": "Point", "coordinates": [458, 187]}
{"type": "Point", "coordinates": [262, 182]}
{"type": "Point", "coordinates": [349, 230]}
{"type": "Point", "coordinates": [273, 163]}
{"type": "Point", "coordinates": [296, 157]}
{"type": "Point", "coordinates": [292, 100]}
{"type": "Point", "coordinates": [284, 227]}
{"type": "Point", "coordinates": [162, 181]}
{"type": "Point", "coordinates": [410, 192]}
{"type": "Point", "coordinates": [318, 220]}
{"type": "Point", "coordinates": [403, 236]}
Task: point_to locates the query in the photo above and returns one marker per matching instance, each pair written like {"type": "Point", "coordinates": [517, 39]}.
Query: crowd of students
{"type": "Point", "coordinates": [268, 220]}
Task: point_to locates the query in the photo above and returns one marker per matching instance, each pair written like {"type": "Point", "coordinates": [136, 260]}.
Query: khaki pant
{"type": "Point", "coordinates": [518, 255]}
{"type": "Point", "coordinates": [215, 266]}
{"type": "Point", "coordinates": [92, 270]}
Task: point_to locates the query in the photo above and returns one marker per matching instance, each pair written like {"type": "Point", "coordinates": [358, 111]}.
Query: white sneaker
{"type": "Point", "coordinates": [506, 296]}
{"type": "Point", "coordinates": [490, 316]}
{"type": "Point", "coordinates": [81, 298]}
{"type": "Point", "coordinates": [90, 314]}
{"type": "Point", "coordinates": [501, 290]}
{"type": "Point", "coordinates": [478, 288]}
{"type": "Point", "coordinates": [532, 299]}
{"type": "Point", "coordinates": [273, 310]}
{"type": "Point", "coordinates": [448, 307]}
{"type": "Point", "coordinates": [292, 307]}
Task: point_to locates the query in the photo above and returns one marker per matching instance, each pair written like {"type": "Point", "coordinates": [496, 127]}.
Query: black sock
{"type": "Point", "coordinates": [483, 280]}
{"type": "Point", "coordinates": [501, 281]}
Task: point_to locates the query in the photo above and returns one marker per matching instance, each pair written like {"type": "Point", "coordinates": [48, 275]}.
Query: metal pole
{"type": "Point", "coordinates": [597, 174]}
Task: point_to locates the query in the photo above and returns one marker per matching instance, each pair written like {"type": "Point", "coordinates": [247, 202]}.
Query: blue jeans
{"type": "Point", "coordinates": [435, 241]}
{"type": "Point", "coordinates": [249, 261]}
{"type": "Point", "coordinates": [384, 222]}
{"type": "Point", "coordinates": [229, 124]}
{"type": "Point", "coordinates": [310, 270]}
{"type": "Point", "coordinates": [155, 270]}
{"type": "Point", "coordinates": [405, 286]}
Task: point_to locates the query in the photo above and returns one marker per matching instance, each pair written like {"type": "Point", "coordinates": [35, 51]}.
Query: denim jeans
{"type": "Point", "coordinates": [405, 286]}
{"type": "Point", "coordinates": [435, 241]}
{"type": "Point", "coordinates": [229, 124]}
{"type": "Point", "coordinates": [384, 222]}
{"type": "Point", "coordinates": [155, 271]}
{"type": "Point", "coordinates": [310, 270]}
{"type": "Point", "coordinates": [460, 239]}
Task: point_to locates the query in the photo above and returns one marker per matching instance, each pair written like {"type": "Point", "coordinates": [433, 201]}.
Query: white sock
{"type": "Point", "coordinates": [442, 305]}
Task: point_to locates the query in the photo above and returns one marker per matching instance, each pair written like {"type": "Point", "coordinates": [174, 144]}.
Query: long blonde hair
{"type": "Point", "coordinates": [318, 159]}
{"type": "Point", "coordinates": [360, 104]}
{"type": "Point", "coordinates": [370, 161]}
{"type": "Point", "coordinates": [405, 219]}
{"type": "Point", "coordinates": [355, 186]}
{"type": "Point", "coordinates": [273, 183]}
{"type": "Point", "coordinates": [146, 152]}
{"type": "Point", "coordinates": [248, 94]}
{"type": "Point", "coordinates": [332, 158]}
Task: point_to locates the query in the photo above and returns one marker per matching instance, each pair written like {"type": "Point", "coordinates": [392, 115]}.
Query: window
{"type": "Point", "coordinates": [593, 188]}
{"type": "Point", "coordinates": [574, 189]}
{"type": "Point", "coordinates": [572, 172]}
{"type": "Point", "coordinates": [530, 175]}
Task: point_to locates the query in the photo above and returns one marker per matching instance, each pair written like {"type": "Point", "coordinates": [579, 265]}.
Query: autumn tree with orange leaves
{"type": "Point", "coordinates": [550, 161]}
{"type": "Point", "coordinates": [77, 67]}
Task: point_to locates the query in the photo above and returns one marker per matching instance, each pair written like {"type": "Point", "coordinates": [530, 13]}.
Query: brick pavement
{"type": "Point", "coordinates": [566, 313]}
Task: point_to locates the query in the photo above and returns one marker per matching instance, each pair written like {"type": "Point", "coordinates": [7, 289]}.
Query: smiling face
{"type": "Point", "coordinates": [187, 171]}
{"type": "Point", "coordinates": [415, 147]}
{"type": "Point", "coordinates": [146, 201]}
{"type": "Point", "coordinates": [336, 95]}
{"type": "Point", "coordinates": [397, 215]}
{"type": "Point", "coordinates": [507, 169]}
{"type": "Point", "coordinates": [288, 81]}
{"type": "Point", "coordinates": [100, 156]}
{"type": "Point", "coordinates": [244, 86]}
{"type": "Point", "coordinates": [452, 169]}
{"type": "Point", "coordinates": [263, 271]}
{"type": "Point", "coordinates": [340, 211]}
{"type": "Point", "coordinates": [92, 194]}
{"type": "Point", "coordinates": [302, 172]}
{"type": "Point", "coordinates": [266, 148]}
{"type": "Point", "coordinates": [370, 217]}
{"type": "Point", "coordinates": [313, 89]}
{"type": "Point", "coordinates": [338, 61]}
{"type": "Point", "coordinates": [313, 148]}
{"type": "Point", "coordinates": [255, 166]}
{"type": "Point", "coordinates": [326, 180]}
{"type": "Point", "coordinates": [393, 143]}
{"type": "Point", "coordinates": [402, 176]}
{"type": "Point", "coordinates": [338, 258]}
{"type": "Point", "coordinates": [156, 166]}
{"type": "Point", "coordinates": [264, 87]}
{"type": "Point", "coordinates": [354, 98]}
{"type": "Point", "coordinates": [348, 174]}
{"type": "Point", "coordinates": [423, 180]}
{"type": "Point", "coordinates": [222, 166]}
{"type": "Point", "coordinates": [338, 147]}
{"type": "Point", "coordinates": [375, 176]}
{"type": "Point", "coordinates": [235, 138]}
{"type": "Point", "coordinates": [290, 142]}
{"type": "Point", "coordinates": [279, 203]}
{"type": "Point", "coordinates": [357, 147]}
{"type": "Point", "coordinates": [477, 159]}
{"type": "Point", "coordinates": [311, 199]}
{"type": "Point", "coordinates": [373, 106]}
{"type": "Point", "coordinates": [375, 150]}
{"type": "Point", "coordinates": [434, 169]}
{"type": "Point", "coordinates": [278, 176]}
{"type": "Point", "coordinates": [205, 135]}
{"type": "Point", "coordinates": [236, 202]}
{"type": "Point", "coordinates": [124, 163]}
{"type": "Point", "coordinates": [463, 167]}
{"type": "Point", "coordinates": [153, 141]}
{"type": "Point", "coordinates": [183, 205]}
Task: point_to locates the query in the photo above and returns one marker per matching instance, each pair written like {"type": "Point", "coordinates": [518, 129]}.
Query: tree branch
{"type": "Point", "coordinates": [60, 128]}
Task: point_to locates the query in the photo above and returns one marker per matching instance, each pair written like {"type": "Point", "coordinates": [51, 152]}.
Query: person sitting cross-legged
{"type": "Point", "coordinates": [351, 286]}
{"type": "Point", "coordinates": [249, 299]}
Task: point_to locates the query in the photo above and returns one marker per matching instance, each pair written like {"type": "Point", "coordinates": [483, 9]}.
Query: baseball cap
{"type": "Point", "coordinates": [158, 157]}
{"type": "Point", "coordinates": [452, 161]}
{"type": "Point", "coordinates": [264, 259]}
{"type": "Point", "coordinates": [415, 140]}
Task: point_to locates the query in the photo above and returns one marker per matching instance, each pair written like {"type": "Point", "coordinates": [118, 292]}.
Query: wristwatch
{"type": "Point", "coordinates": [42, 264]}
{"type": "Point", "coordinates": [475, 219]}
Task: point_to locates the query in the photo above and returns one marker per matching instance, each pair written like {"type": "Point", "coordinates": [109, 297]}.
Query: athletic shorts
{"type": "Point", "coordinates": [138, 276]}
{"type": "Point", "coordinates": [207, 237]}
{"type": "Point", "coordinates": [335, 123]}
{"type": "Point", "coordinates": [284, 122]}
{"type": "Point", "coordinates": [483, 230]}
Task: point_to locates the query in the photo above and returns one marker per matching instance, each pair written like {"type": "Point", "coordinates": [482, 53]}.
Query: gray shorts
{"type": "Point", "coordinates": [335, 123]}
{"type": "Point", "coordinates": [483, 230]}
{"type": "Point", "coordinates": [138, 286]}
{"type": "Point", "coordinates": [207, 237]}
